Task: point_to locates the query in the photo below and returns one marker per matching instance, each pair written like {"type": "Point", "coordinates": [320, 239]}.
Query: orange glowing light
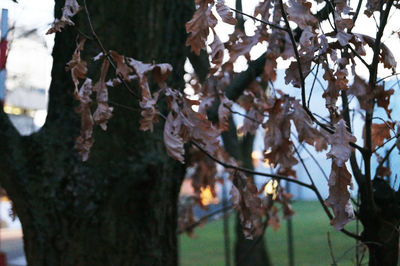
{"type": "Point", "coordinates": [207, 197]}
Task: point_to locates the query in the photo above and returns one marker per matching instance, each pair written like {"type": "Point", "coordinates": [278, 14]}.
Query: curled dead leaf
{"type": "Point", "coordinates": [173, 142]}
{"type": "Point", "coordinates": [340, 144]}
{"type": "Point", "coordinates": [339, 196]}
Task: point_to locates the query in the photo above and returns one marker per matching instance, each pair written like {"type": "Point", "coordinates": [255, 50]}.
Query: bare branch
{"type": "Point", "coordinates": [205, 218]}
{"type": "Point", "coordinates": [272, 25]}
{"type": "Point", "coordinates": [331, 250]}
{"type": "Point", "coordinates": [386, 142]}
{"type": "Point", "coordinates": [251, 172]}
{"type": "Point", "coordinates": [357, 11]}
{"type": "Point", "coordinates": [312, 86]}
{"type": "Point", "coordinates": [389, 76]}
{"type": "Point", "coordinates": [313, 158]}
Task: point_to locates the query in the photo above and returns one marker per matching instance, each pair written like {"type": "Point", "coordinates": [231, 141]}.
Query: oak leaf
{"type": "Point", "coordinates": [217, 53]}
{"type": "Point", "coordinates": [198, 27]}
{"type": "Point", "coordinates": [77, 66]}
{"type": "Point", "coordinates": [85, 141]}
{"type": "Point", "coordinates": [277, 144]}
{"type": "Point", "coordinates": [224, 113]}
{"type": "Point", "coordinates": [122, 68]}
{"type": "Point", "coordinates": [301, 15]}
{"type": "Point", "coordinates": [339, 196]}
{"type": "Point", "coordinates": [149, 113]}
{"type": "Point", "coordinates": [380, 132]}
{"type": "Point", "coordinates": [340, 144]}
{"type": "Point", "coordinates": [305, 130]}
{"type": "Point", "coordinates": [70, 9]}
{"type": "Point", "coordinates": [199, 129]}
{"type": "Point", "coordinates": [103, 112]}
{"type": "Point", "coordinates": [173, 142]}
{"type": "Point", "coordinates": [225, 13]}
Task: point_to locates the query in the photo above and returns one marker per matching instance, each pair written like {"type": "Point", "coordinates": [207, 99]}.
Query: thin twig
{"type": "Point", "coordinates": [314, 188]}
{"type": "Point", "coordinates": [394, 74]}
{"type": "Point", "coordinates": [334, 263]}
{"type": "Point", "coordinates": [386, 142]}
{"type": "Point", "coordinates": [105, 52]}
{"type": "Point", "coordinates": [259, 20]}
{"type": "Point", "coordinates": [205, 218]}
{"type": "Point", "coordinates": [319, 197]}
{"type": "Point", "coordinates": [251, 172]}
{"type": "Point", "coordinates": [312, 86]}
{"type": "Point", "coordinates": [245, 116]}
{"type": "Point", "coordinates": [385, 122]}
{"type": "Point", "coordinates": [124, 106]}
{"type": "Point", "coordinates": [358, 56]}
{"type": "Point", "coordinates": [313, 158]}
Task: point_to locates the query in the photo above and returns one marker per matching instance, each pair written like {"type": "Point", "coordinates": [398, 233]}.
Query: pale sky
{"type": "Point", "coordinates": [29, 61]}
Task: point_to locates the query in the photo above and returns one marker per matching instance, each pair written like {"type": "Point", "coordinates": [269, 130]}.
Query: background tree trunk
{"type": "Point", "coordinates": [247, 252]}
{"type": "Point", "coordinates": [120, 207]}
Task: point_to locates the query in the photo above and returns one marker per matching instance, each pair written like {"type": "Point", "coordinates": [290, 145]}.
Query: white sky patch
{"type": "Point", "coordinates": [29, 61]}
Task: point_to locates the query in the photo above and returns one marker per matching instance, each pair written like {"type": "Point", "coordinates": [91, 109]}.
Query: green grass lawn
{"type": "Point", "coordinates": [310, 227]}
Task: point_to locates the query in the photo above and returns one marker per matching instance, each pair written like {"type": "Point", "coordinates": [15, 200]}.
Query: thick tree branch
{"type": "Point", "coordinates": [367, 192]}
{"type": "Point", "coordinates": [201, 64]}
{"type": "Point", "coordinates": [235, 89]}
{"type": "Point", "coordinates": [10, 140]}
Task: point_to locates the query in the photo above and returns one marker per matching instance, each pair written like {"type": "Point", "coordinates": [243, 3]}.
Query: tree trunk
{"type": "Point", "coordinates": [381, 224]}
{"type": "Point", "coordinates": [119, 207]}
{"type": "Point", "coordinates": [247, 252]}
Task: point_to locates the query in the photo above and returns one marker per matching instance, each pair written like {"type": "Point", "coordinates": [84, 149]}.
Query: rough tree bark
{"type": "Point", "coordinates": [118, 208]}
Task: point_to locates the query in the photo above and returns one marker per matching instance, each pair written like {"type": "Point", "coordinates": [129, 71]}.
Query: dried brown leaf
{"type": "Point", "coordinates": [339, 196]}
{"type": "Point", "coordinates": [305, 130]}
{"type": "Point", "coordinates": [173, 142]}
{"type": "Point", "coordinates": [380, 133]}
{"type": "Point", "coordinates": [217, 53]}
{"type": "Point", "coordinates": [340, 144]}
{"type": "Point", "coordinates": [198, 27]}
{"type": "Point", "coordinates": [225, 13]}
{"type": "Point", "coordinates": [85, 141]}
{"type": "Point", "coordinates": [150, 113]}
{"type": "Point", "coordinates": [103, 112]}
{"type": "Point", "coordinates": [122, 68]}
{"type": "Point", "coordinates": [70, 9]}
{"type": "Point", "coordinates": [224, 113]}
{"type": "Point", "coordinates": [299, 12]}
{"type": "Point", "coordinates": [77, 66]}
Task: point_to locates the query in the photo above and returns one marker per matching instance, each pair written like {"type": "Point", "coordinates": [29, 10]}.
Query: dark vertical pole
{"type": "Point", "coordinates": [227, 242]}
{"type": "Point", "coordinates": [290, 233]}
{"type": "Point", "coordinates": [389, 177]}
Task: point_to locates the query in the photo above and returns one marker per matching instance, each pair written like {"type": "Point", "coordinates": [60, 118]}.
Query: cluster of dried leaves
{"type": "Point", "coordinates": [271, 108]}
